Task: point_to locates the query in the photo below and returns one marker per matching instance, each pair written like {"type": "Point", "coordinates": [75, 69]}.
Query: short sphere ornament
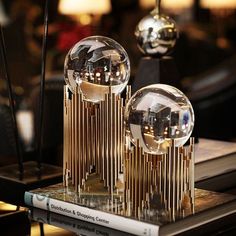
{"type": "Point", "coordinates": [156, 34]}
{"type": "Point", "coordinates": [97, 65]}
{"type": "Point", "coordinates": [156, 114]}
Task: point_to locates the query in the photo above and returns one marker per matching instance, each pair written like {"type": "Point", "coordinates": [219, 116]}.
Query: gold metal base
{"type": "Point", "coordinates": [94, 142]}
{"type": "Point", "coordinates": [167, 179]}
{"type": "Point", "coordinates": [93, 139]}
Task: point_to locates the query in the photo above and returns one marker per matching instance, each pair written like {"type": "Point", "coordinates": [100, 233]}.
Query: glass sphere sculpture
{"type": "Point", "coordinates": [97, 64]}
{"type": "Point", "coordinates": [156, 114]}
{"type": "Point", "coordinates": [156, 34]}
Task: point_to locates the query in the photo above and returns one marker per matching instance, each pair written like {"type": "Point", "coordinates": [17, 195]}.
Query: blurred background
{"type": "Point", "coordinates": [205, 56]}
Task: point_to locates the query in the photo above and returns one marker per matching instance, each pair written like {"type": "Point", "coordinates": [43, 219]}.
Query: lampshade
{"type": "Point", "coordinates": [217, 4]}
{"type": "Point", "coordinates": [3, 17]}
{"type": "Point", "coordinates": [74, 7]}
{"type": "Point", "coordinates": [167, 3]}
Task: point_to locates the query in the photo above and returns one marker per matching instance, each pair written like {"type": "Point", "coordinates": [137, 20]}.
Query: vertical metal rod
{"type": "Point", "coordinates": [133, 177]}
{"type": "Point", "coordinates": [181, 176]}
{"type": "Point", "coordinates": [73, 139]}
{"type": "Point", "coordinates": [88, 160]}
{"type": "Point", "coordinates": [140, 176]}
{"type": "Point", "coordinates": [69, 135]}
{"type": "Point", "coordinates": [158, 6]}
{"type": "Point", "coordinates": [79, 143]}
{"type": "Point", "coordinates": [130, 173]}
{"type": "Point", "coordinates": [115, 127]}
{"type": "Point", "coordinates": [118, 146]}
{"type": "Point", "coordinates": [169, 165]}
{"type": "Point", "coordinates": [65, 134]}
{"type": "Point", "coordinates": [97, 144]}
{"type": "Point", "coordinates": [87, 148]}
{"type": "Point", "coordinates": [83, 140]}
{"type": "Point", "coordinates": [42, 84]}
{"type": "Point", "coordinates": [107, 140]}
{"type": "Point", "coordinates": [11, 101]}
{"type": "Point", "coordinates": [122, 133]}
{"type": "Point", "coordinates": [136, 177]}
{"type": "Point", "coordinates": [76, 141]}
{"type": "Point", "coordinates": [160, 170]}
{"type": "Point", "coordinates": [185, 172]}
{"type": "Point", "coordinates": [165, 179]}
{"type": "Point", "coordinates": [102, 137]}
{"type": "Point", "coordinates": [144, 161]}
{"type": "Point", "coordinates": [177, 196]}
{"type": "Point", "coordinates": [173, 177]}
{"type": "Point", "coordinates": [110, 143]}
{"type": "Point", "coordinates": [192, 174]}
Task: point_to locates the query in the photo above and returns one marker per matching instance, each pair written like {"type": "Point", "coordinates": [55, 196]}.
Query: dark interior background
{"type": "Point", "coordinates": [204, 56]}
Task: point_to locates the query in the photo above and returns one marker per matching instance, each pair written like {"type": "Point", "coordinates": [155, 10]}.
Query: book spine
{"type": "Point", "coordinates": [91, 215]}
{"type": "Point", "coordinates": [74, 225]}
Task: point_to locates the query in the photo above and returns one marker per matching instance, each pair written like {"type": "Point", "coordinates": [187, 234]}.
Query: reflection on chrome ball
{"type": "Point", "coordinates": [96, 64]}
{"type": "Point", "coordinates": [156, 34]}
{"type": "Point", "coordinates": [156, 114]}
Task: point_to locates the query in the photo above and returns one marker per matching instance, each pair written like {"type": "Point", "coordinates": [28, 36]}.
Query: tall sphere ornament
{"type": "Point", "coordinates": [156, 33]}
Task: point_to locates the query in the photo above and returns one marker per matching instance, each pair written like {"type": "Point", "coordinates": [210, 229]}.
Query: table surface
{"type": "Point", "coordinates": [15, 221]}
{"type": "Point", "coordinates": [49, 230]}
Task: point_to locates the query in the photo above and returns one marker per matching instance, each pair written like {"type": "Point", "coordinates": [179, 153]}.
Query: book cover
{"type": "Point", "coordinates": [210, 149]}
{"type": "Point", "coordinates": [98, 207]}
{"type": "Point", "coordinates": [213, 158]}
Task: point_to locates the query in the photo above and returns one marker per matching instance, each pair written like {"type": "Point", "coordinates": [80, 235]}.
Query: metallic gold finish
{"type": "Point", "coordinates": [93, 139]}
{"type": "Point", "coordinates": [94, 142]}
{"type": "Point", "coordinates": [65, 144]}
{"type": "Point", "coordinates": [167, 177]}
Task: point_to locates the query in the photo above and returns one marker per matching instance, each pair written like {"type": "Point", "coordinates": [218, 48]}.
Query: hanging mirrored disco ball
{"type": "Point", "coordinates": [156, 114]}
{"type": "Point", "coordinates": [95, 64]}
{"type": "Point", "coordinates": [156, 34]}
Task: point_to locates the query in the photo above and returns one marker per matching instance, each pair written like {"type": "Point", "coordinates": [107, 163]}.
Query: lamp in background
{"type": "Point", "coordinates": [82, 9]}
{"type": "Point", "coordinates": [168, 4]}
{"type": "Point", "coordinates": [218, 4]}
{"type": "Point", "coordinates": [85, 18]}
{"type": "Point", "coordinates": [180, 10]}
{"type": "Point", "coordinates": [4, 19]}
{"type": "Point", "coordinates": [220, 11]}
{"type": "Point", "coordinates": [82, 6]}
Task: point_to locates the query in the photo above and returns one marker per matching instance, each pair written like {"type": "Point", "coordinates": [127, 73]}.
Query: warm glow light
{"type": "Point", "coordinates": [167, 3]}
{"type": "Point", "coordinates": [25, 123]}
{"type": "Point", "coordinates": [85, 19]}
{"type": "Point", "coordinates": [75, 7]}
{"type": "Point", "coordinates": [226, 4]}
{"type": "Point", "coordinates": [48, 230]}
{"type": "Point", "coordinates": [7, 207]}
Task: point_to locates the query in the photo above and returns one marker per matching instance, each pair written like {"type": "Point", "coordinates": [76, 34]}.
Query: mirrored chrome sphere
{"type": "Point", "coordinates": [156, 34]}
{"type": "Point", "coordinates": [156, 114]}
{"type": "Point", "coordinates": [95, 64]}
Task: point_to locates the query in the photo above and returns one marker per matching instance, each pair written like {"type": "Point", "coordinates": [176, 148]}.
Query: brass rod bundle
{"type": "Point", "coordinates": [93, 139]}
{"type": "Point", "coordinates": [168, 177]}
{"type": "Point", "coordinates": [95, 142]}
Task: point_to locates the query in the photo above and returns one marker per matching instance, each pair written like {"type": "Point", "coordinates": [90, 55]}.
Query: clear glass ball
{"type": "Point", "coordinates": [156, 114]}
{"type": "Point", "coordinates": [96, 64]}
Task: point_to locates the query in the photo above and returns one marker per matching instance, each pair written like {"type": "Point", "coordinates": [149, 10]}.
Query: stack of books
{"type": "Point", "coordinates": [94, 209]}
{"type": "Point", "coordinates": [215, 164]}
{"type": "Point", "coordinates": [88, 213]}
